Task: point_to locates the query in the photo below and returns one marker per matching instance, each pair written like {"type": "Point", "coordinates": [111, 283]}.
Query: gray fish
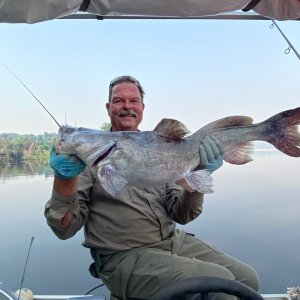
{"type": "Point", "coordinates": [169, 153]}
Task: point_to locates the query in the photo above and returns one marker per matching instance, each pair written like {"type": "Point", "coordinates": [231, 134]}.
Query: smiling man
{"type": "Point", "coordinates": [132, 236]}
{"type": "Point", "coordinates": [126, 104]}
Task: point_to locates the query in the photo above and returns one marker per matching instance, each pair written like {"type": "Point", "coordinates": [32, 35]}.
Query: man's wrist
{"type": "Point", "coordinates": [65, 187]}
{"type": "Point", "coordinates": [60, 176]}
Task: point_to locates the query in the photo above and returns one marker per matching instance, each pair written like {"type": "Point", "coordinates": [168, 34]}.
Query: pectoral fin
{"type": "Point", "coordinates": [199, 181]}
{"type": "Point", "coordinates": [110, 179]}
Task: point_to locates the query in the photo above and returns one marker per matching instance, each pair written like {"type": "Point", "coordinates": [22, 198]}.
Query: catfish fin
{"type": "Point", "coordinates": [199, 181]}
{"type": "Point", "coordinates": [239, 154]}
{"type": "Point", "coordinates": [184, 184]}
{"type": "Point", "coordinates": [226, 122]}
{"type": "Point", "coordinates": [231, 121]}
{"type": "Point", "coordinates": [286, 136]}
{"type": "Point", "coordinates": [110, 179]}
{"type": "Point", "coordinates": [171, 128]}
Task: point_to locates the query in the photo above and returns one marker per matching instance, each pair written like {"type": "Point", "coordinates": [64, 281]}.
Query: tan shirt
{"type": "Point", "coordinates": [133, 218]}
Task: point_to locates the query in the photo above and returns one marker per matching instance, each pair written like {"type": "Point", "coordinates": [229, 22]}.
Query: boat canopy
{"type": "Point", "coordinates": [33, 11]}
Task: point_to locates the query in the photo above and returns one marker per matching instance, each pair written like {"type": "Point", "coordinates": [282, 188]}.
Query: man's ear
{"type": "Point", "coordinates": [107, 105]}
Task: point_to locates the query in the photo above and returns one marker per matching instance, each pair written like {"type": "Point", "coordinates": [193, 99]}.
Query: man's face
{"type": "Point", "coordinates": [126, 107]}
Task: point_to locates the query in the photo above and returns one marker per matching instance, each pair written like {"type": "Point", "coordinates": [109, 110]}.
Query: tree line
{"type": "Point", "coordinates": [17, 148]}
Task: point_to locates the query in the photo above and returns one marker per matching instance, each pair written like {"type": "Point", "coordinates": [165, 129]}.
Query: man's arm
{"type": "Point", "coordinates": [66, 187]}
{"type": "Point", "coordinates": [65, 215]}
{"type": "Point", "coordinates": [184, 206]}
{"type": "Point", "coordinates": [67, 210]}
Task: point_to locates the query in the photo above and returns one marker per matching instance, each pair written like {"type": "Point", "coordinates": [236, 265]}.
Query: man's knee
{"type": "Point", "coordinates": [250, 278]}
{"type": "Point", "coordinates": [212, 270]}
{"type": "Point", "coordinates": [208, 269]}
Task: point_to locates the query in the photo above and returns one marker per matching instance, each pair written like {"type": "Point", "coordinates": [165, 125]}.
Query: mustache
{"type": "Point", "coordinates": [125, 113]}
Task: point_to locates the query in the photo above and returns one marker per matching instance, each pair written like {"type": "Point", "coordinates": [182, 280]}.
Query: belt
{"type": "Point", "coordinates": [98, 264]}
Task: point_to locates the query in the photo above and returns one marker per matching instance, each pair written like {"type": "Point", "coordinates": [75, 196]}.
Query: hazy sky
{"type": "Point", "coordinates": [195, 71]}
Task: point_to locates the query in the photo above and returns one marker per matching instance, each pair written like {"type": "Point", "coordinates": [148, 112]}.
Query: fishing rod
{"type": "Point", "coordinates": [28, 89]}
{"type": "Point", "coordinates": [26, 262]}
{"type": "Point", "coordinates": [286, 39]}
{"type": "Point", "coordinates": [96, 287]}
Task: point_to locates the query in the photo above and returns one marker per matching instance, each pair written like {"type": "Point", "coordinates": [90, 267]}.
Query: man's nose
{"type": "Point", "coordinates": [127, 104]}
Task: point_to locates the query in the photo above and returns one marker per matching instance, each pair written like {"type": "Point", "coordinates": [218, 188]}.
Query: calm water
{"type": "Point", "coordinates": [254, 215]}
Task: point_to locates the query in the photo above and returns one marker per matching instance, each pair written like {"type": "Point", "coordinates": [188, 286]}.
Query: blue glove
{"type": "Point", "coordinates": [211, 154]}
{"type": "Point", "coordinates": [65, 166]}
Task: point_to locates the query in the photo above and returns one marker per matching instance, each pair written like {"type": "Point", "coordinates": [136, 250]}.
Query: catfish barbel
{"type": "Point", "coordinates": [168, 154]}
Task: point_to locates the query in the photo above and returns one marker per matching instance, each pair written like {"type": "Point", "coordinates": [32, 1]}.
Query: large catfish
{"type": "Point", "coordinates": [169, 154]}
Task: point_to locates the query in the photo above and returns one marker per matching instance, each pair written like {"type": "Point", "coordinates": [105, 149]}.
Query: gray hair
{"type": "Point", "coordinates": [125, 78]}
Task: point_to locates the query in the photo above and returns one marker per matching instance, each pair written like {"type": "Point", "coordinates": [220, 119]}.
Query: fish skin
{"type": "Point", "coordinates": [168, 154]}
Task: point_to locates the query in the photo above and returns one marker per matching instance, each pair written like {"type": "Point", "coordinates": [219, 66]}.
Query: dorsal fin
{"type": "Point", "coordinates": [171, 128]}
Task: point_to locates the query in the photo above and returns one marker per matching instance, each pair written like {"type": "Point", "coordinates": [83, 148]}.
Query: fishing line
{"type": "Point", "coordinates": [287, 40]}
{"type": "Point", "coordinates": [32, 94]}
{"type": "Point", "coordinates": [27, 258]}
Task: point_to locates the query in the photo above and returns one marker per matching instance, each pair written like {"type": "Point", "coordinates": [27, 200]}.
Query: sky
{"type": "Point", "coordinates": [195, 71]}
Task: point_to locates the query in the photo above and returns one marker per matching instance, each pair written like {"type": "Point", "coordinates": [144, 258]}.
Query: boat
{"type": "Point", "coordinates": [14, 11]}
{"type": "Point", "coordinates": [7, 294]}
{"type": "Point", "coordinates": [202, 285]}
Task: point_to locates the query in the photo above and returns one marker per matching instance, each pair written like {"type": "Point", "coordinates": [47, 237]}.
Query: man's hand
{"type": "Point", "coordinates": [211, 154]}
{"type": "Point", "coordinates": [65, 166]}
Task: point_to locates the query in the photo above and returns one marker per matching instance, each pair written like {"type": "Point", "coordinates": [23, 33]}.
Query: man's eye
{"type": "Point", "coordinates": [116, 101]}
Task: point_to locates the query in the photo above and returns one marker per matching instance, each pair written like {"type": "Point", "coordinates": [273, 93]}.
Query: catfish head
{"type": "Point", "coordinates": [90, 145]}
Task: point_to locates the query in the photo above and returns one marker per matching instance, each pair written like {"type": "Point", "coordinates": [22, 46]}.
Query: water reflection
{"type": "Point", "coordinates": [253, 215]}
{"type": "Point", "coordinates": [55, 266]}
{"type": "Point", "coordinates": [26, 168]}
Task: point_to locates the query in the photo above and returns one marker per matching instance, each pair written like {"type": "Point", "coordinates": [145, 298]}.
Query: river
{"type": "Point", "coordinates": [253, 214]}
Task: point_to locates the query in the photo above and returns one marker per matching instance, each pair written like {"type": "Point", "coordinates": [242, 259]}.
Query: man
{"type": "Point", "coordinates": [132, 236]}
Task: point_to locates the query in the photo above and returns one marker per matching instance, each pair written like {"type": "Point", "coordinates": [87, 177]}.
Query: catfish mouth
{"type": "Point", "coordinates": [103, 155]}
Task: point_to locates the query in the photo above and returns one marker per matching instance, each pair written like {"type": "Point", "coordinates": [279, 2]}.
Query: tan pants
{"type": "Point", "coordinates": [139, 273]}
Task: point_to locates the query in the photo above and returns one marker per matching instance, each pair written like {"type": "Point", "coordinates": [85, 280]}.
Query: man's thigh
{"type": "Point", "coordinates": [190, 246]}
{"type": "Point", "coordinates": [155, 269]}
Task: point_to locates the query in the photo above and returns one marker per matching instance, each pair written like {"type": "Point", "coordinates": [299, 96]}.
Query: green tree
{"type": "Point", "coordinates": [105, 126]}
{"type": "Point", "coordinates": [15, 148]}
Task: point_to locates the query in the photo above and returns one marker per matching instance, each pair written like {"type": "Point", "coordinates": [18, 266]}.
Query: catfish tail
{"type": "Point", "coordinates": [282, 132]}
{"type": "Point", "coordinates": [237, 132]}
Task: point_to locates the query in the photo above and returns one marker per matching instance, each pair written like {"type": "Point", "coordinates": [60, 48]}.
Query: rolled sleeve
{"type": "Point", "coordinates": [77, 204]}
{"type": "Point", "coordinates": [57, 207]}
{"type": "Point", "coordinates": [55, 210]}
{"type": "Point", "coordinates": [182, 205]}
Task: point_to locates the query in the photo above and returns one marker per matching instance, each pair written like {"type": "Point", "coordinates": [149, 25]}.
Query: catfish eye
{"type": "Point", "coordinates": [68, 129]}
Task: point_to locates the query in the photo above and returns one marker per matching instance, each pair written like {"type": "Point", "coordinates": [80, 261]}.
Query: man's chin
{"type": "Point", "coordinates": [128, 124]}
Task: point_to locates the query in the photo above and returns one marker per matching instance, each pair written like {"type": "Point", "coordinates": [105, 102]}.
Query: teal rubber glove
{"type": "Point", "coordinates": [211, 154]}
{"type": "Point", "coordinates": [65, 166]}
